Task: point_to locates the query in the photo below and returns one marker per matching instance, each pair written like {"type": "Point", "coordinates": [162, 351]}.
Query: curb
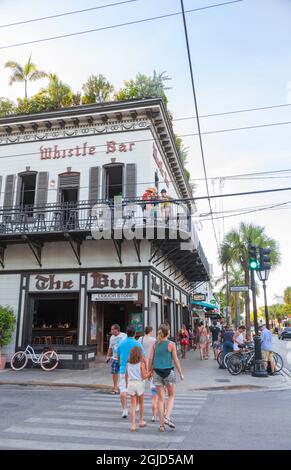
{"type": "Point", "coordinates": [108, 388]}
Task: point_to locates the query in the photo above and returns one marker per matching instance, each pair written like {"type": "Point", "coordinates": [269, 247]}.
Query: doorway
{"type": "Point", "coordinates": [113, 313]}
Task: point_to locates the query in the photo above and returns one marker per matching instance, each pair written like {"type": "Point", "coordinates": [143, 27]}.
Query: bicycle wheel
{"type": "Point", "coordinates": [49, 360]}
{"type": "Point", "coordinates": [219, 358]}
{"type": "Point", "coordinates": [19, 360]}
{"type": "Point", "coordinates": [278, 362]}
{"type": "Point", "coordinates": [234, 364]}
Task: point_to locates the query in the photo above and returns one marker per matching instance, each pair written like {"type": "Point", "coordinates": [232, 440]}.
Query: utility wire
{"type": "Point", "coordinates": [120, 25]}
{"type": "Point", "coordinates": [74, 12]}
{"type": "Point", "coordinates": [236, 111]}
{"type": "Point", "coordinates": [197, 118]}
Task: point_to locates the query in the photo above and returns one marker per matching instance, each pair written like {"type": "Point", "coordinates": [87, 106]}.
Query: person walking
{"type": "Point", "coordinates": [162, 358]}
{"type": "Point", "coordinates": [267, 348]}
{"type": "Point", "coordinates": [116, 337]}
{"type": "Point", "coordinates": [202, 341]}
{"type": "Point", "coordinates": [123, 352]}
{"type": "Point", "coordinates": [147, 342]}
{"type": "Point", "coordinates": [184, 340]}
{"type": "Point", "coordinates": [215, 338]}
{"type": "Point", "coordinates": [135, 376]}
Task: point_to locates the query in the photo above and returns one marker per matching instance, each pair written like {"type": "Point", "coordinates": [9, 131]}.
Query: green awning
{"type": "Point", "coordinates": [204, 304]}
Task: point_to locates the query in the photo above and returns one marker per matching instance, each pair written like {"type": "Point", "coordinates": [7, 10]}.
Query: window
{"type": "Point", "coordinates": [113, 181]}
{"type": "Point", "coordinates": [27, 191]}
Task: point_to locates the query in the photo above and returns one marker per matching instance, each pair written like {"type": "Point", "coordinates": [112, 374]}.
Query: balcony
{"type": "Point", "coordinates": [166, 227]}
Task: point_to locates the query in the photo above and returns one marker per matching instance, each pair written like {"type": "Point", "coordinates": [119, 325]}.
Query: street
{"type": "Point", "coordinates": [283, 347]}
{"type": "Point", "coordinates": [67, 418]}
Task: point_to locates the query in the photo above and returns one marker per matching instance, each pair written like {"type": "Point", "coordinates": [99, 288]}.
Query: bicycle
{"type": "Point", "coordinates": [237, 362]}
{"type": "Point", "coordinates": [48, 360]}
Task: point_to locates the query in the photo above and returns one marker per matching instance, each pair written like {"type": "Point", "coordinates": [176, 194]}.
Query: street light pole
{"type": "Point", "coordinates": [259, 369]}
{"type": "Point", "coordinates": [266, 305]}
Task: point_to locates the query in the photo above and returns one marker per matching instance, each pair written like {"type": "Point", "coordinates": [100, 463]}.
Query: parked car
{"type": "Point", "coordinates": [286, 333]}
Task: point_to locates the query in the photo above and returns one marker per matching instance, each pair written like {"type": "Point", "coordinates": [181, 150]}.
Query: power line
{"type": "Point", "coordinates": [237, 111]}
{"type": "Point", "coordinates": [224, 177]}
{"type": "Point", "coordinates": [74, 12]}
{"type": "Point", "coordinates": [197, 117]}
{"type": "Point", "coordinates": [119, 25]}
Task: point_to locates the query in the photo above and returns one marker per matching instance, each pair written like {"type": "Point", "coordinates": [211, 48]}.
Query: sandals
{"type": "Point", "coordinates": [133, 430]}
{"type": "Point", "coordinates": [114, 392]}
{"type": "Point", "coordinates": [169, 423]}
{"type": "Point", "coordinates": [143, 424]}
{"type": "Point", "coordinates": [162, 428]}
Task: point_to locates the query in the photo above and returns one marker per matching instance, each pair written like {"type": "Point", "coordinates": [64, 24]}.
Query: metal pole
{"type": "Point", "coordinates": [259, 369]}
{"type": "Point", "coordinates": [266, 305]}
{"type": "Point", "coordinates": [227, 295]}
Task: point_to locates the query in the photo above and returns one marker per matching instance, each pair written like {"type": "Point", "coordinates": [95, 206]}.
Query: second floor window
{"type": "Point", "coordinates": [113, 181]}
{"type": "Point", "coordinates": [27, 189]}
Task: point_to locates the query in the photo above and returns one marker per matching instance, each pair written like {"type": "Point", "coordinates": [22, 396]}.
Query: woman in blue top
{"type": "Point", "coordinates": [162, 357]}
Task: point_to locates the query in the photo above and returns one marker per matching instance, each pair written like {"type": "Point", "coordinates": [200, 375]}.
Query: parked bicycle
{"type": "Point", "coordinates": [48, 360]}
{"type": "Point", "coordinates": [243, 361]}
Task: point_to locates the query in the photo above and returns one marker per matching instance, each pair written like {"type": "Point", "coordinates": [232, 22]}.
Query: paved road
{"type": "Point", "coordinates": [283, 348]}
{"type": "Point", "coordinates": [48, 418]}
{"type": "Point", "coordinates": [43, 418]}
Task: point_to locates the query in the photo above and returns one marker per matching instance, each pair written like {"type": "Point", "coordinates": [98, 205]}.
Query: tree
{"type": "Point", "coordinates": [27, 72]}
{"type": "Point", "coordinates": [235, 278]}
{"type": "Point", "coordinates": [144, 86]}
{"type": "Point", "coordinates": [6, 107]}
{"type": "Point", "coordinates": [7, 325]}
{"type": "Point", "coordinates": [36, 104]}
{"type": "Point", "coordinates": [97, 89]}
{"type": "Point", "coordinates": [287, 295]}
{"type": "Point", "coordinates": [59, 92]}
{"type": "Point", "coordinates": [234, 251]}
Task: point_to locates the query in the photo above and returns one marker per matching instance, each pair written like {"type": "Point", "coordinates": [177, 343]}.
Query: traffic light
{"type": "Point", "coordinates": [265, 260]}
{"type": "Point", "coordinates": [253, 262]}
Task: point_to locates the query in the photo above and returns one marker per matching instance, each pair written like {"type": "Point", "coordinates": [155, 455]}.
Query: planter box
{"type": "Point", "coordinates": [3, 360]}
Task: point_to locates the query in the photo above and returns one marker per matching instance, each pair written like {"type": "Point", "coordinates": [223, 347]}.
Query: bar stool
{"type": "Point", "coordinates": [56, 224]}
{"type": "Point", "coordinates": [39, 224]}
{"type": "Point", "coordinates": [36, 340]}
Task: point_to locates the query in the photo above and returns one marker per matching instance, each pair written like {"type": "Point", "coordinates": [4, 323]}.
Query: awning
{"type": "Point", "coordinates": [204, 304]}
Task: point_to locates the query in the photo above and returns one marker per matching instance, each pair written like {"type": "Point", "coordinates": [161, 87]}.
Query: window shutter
{"type": "Point", "coordinates": [9, 191]}
{"type": "Point", "coordinates": [18, 190]}
{"type": "Point", "coordinates": [69, 180]}
{"type": "Point", "coordinates": [42, 188]}
{"type": "Point", "coordinates": [94, 184]}
{"type": "Point", "coordinates": [0, 187]}
{"type": "Point", "coordinates": [130, 186]}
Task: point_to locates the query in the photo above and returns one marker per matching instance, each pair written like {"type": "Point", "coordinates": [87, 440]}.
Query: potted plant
{"type": "Point", "coordinates": [7, 326]}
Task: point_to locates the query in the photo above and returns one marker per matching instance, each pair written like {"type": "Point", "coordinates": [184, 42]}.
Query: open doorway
{"type": "Point", "coordinates": [113, 313]}
{"type": "Point", "coordinates": [113, 181]}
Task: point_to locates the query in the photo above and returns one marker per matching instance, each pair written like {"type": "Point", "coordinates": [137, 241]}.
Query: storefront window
{"type": "Point", "coordinates": [55, 320]}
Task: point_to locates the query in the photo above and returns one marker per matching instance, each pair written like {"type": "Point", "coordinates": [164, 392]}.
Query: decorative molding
{"type": "Point", "coordinates": [72, 131]}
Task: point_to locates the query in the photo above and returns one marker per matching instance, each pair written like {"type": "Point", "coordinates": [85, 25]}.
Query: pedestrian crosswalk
{"type": "Point", "coordinates": [93, 421]}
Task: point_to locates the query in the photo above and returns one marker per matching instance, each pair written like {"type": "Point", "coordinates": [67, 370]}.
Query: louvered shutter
{"type": "Point", "coordinates": [130, 185]}
{"type": "Point", "coordinates": [0, 187]}
{"type": "Point", "coordinates": [69, 180]}
{"type": "Point", "coordinates": [42, 188]}
{"type": "Point", "coordinates": [18, 190]}
{"type": "Point", "coordinates": [9, 191]}
{"type": "Point", "coordinates": [94, 177]}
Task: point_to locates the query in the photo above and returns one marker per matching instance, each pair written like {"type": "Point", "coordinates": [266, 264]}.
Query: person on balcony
{"type": "Point", "coordinates": [165, 205]}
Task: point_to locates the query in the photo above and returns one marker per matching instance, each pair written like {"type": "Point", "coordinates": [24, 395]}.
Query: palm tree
{"type": "Point", "coordinates": [59, 92]}
{"type": "Point", "coordinates": [97, 89]}
{"type": "Point", "coordinates": [234, 250]}
{"type": "Point", "coordinates": [235, 278]}
{"type": "Point", "coordinates": [27, 72]}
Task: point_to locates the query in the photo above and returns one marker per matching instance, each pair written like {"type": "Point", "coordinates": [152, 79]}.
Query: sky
{"type": "Point", "coordinates": [241, 56]}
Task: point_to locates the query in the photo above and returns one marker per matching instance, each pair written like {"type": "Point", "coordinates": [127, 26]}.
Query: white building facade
{"type": "Point", "coordinates": [73, 263]}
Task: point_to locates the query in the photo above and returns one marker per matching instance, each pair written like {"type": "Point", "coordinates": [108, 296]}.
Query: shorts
{"type": "Point", "coordinates": [267, 356]}
{"type": "Point", "coordinates": [136, 387]}
{"type": "Point", "coordinates": [216, 345]}
{"type": "Point", "coordinates": [114, 366]}
{"type": "Point", "coordinates": [161, 382]}
{"type": "Point", "coordinates": [122, 384]}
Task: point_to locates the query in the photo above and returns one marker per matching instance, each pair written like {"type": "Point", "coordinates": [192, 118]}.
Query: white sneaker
{"type": "Point", "coordinates": [125, 413]}
{"type": "Point", "coordinates": [153, 419]}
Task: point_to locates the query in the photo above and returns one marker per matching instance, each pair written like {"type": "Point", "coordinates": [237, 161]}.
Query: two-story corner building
{"type": "Point", "coordinates": [60, 173]}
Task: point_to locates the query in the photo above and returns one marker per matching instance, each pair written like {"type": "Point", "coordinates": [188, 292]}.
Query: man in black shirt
{"type": "Point", "coordinates": [215, 336]}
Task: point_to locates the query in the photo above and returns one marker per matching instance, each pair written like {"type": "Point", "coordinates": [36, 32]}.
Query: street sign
{"type": "Point", "coordinates": [199, 297]}
{"type": "Point", "coordinates": [239, 289]}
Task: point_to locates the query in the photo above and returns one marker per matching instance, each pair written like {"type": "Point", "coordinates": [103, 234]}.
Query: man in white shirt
{"type": "Point", "coordinates": [115, 339]}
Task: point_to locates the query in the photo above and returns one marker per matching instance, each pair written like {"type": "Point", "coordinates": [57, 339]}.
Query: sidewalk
{"type": "Point", "coordinates": [199, 375]}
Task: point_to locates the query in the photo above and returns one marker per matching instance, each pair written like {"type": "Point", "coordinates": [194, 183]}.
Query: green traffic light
{"type": "Point", "coordinates": [254, 264]}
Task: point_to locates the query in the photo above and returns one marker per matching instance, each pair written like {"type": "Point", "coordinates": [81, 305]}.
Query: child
{"type": "Point", "coordinates": [135, 375]}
